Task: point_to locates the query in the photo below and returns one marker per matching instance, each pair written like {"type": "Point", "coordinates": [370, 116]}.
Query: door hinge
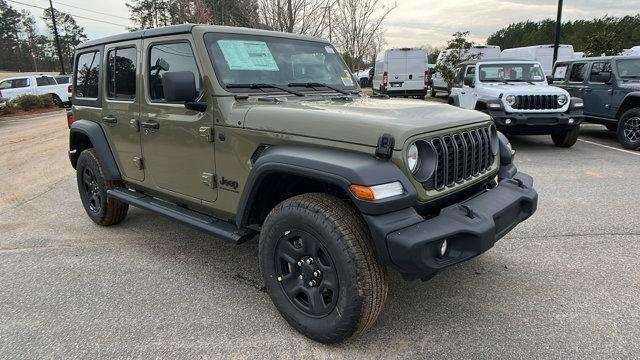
{"type": "Point", "coordinates": [206, 133]}
{"type": "Point", "coordinates": [138, 162]}
{"type": "Point", "coordinates": [209, 180]}
{"type": "Point", "coordinates": [134, 123]}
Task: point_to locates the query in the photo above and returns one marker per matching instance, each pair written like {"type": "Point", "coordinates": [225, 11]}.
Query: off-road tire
{"type": "Point", "coordinates": [566, 138]}
{"type": "Point", "coordinates": [108, 211]}
{"type": "Point", "coordinates": [362, 278]}
{"type": "Point", "coordinates": [629, 118]}
{"type": "Point", "coordinates": [432, 92]}
{"type": "Point", "coordinates": [57, 101]}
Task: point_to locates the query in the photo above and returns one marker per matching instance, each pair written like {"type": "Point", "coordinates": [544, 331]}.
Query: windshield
{"type": "Point", "coordinates": [248, 59]}
{"type": "Point", "coordinates": [629, 68]}
{"type": "Point", "coordinates": [511, 73]}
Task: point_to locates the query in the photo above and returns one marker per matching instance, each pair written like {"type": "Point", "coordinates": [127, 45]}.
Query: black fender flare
{"type": "Point", "coordinates": [337, 167]}
{"type": "Point", "coordinates": [454, 100]}
{"type": "Point", "coordinates": [99, 142]}
{"type": "Point", "coordinates": [630, 97]}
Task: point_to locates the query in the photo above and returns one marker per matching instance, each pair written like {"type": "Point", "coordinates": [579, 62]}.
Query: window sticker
{"type": "Point", "coordinates": [329, 50]}
{"type": "Point", "coordinates": [346, 78]}
{"type": "Point", "coordinates": [561, 72]}
{"type": "Point", "coordinates": [247, 55]}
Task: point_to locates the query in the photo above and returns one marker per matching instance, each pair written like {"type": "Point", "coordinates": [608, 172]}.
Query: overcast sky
{"type": "Point", "coordinates": [412, 23]}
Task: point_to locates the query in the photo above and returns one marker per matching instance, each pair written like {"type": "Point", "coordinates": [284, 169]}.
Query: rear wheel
{"type": "Point", "coordinates": [629, 129]}
{"type": "Point", "coordinates": [320, 268]}
{"type": "Point", "coordinates": [566, 138]}
{"type": "Point", "coordinates": [93, 187]}
{"type": "Point", "coordinates": [57, 101]}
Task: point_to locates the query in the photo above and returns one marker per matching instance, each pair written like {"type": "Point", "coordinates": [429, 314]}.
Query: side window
{"type": "Point", "coordinates": [560, 73]}
{"type": "Point", "coordinates": [121, 73]}
{"type": "Point", "coordinates": [42, 81]}
{"type": "Point", "coordinates": [87, 75]}
{"type": "Point", "coordinates": [170, 57]}
{"type": "Point", "coordinates": [14, 84]}
{"type": "Point", "coordinates": [597, 68]}
{"type": "Point", "coordinates": [578, 72]}
{"type": "Point", "coordinates": [459, 79]}
{"type": "Point", "coordinates": [5, 85]}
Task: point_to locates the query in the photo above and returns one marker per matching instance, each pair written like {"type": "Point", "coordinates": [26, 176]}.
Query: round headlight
{"type": "Point", "coordinates": [511, 100]}
{"type": "Point", "coordinates": [562, 99]}
{"type": "Point", "coordinates": [412, 158]}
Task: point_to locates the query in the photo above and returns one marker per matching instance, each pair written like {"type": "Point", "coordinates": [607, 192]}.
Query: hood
{"type": "Point", "coordinates": [522, 89]}
{"type": "Point", "coordinates": [361, 121]}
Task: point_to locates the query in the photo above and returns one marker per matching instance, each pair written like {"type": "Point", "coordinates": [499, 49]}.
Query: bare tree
{"type": "Point", "coordinates": [357, 24]}
{"type": "Point", "coordinates": [191, 11]}
{"type": "Point", "coordinates": [309, 17]}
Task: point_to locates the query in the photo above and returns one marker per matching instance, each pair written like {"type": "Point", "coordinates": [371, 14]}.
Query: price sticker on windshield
{"type": "Point", "coordinates": [346, 78]}
{"type": "Point", "coordinates": [247, 55]}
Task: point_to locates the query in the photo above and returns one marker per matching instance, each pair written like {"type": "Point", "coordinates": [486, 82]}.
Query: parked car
{"type": "Point", "coordinates": [516, 95]}
{"type": "Point", "coordinates": [35, 85]}
{"type": "Point", "coordinates": [478, 51]}
{"type": "Point", "coordinates": [237, 131]}
{"type": "Point", "coordinates": [540, 53]}
{"type": "Point", "coordinates": [363, 77]}
{"type": "Point", "coordinates": [610, 87]}
{"type": "Point", "coordinates": [401, 72]}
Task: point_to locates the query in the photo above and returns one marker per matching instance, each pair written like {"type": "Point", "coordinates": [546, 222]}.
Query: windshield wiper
{"type": "Point", "coordinates": [318, 84]}
{"type": "Point", "coordinates": [262, 86]}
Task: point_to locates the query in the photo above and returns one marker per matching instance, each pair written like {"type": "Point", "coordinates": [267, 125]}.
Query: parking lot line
{"type": "Point", "coordinates": [610, 147]}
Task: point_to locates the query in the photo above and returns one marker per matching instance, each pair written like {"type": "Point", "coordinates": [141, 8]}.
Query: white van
{"type": "Point", "coordinates": [540, 53]}
{"type": "Point", "coordinates": [483, 52]}
{"type": "Point", "coordinates": [634, 51]}
{"type": "Point", "coordinates": [401, 72]}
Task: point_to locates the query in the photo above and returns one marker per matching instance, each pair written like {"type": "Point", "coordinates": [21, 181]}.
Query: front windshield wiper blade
{"type": "Point", "coordinates": [262, 86]}
{"type": "Point", "coordinates": [318, 84]}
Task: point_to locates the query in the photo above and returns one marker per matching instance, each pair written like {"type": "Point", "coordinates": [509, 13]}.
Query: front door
{"type": "Point", "coordinates": [121, 106]}
{"type": "Point", "coordinates": [577, 76]}
{"type": "Point", "coordinates": [468, 96]}
{"type": "Point", "coordinates": [597, 94]}
{"type": "Point", "coordinates": [177, 143]}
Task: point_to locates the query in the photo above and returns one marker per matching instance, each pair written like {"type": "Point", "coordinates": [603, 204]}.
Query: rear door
{"type": "Point", "coordinates": [15, 87]}
{"type": "Point", "coordinates": [177, 143]}
{"type": "Point", "coordinates": [598, 94]}
{"type": "Point", "coordinates": [416, 61]}
{"type": "Point", "coordinates": [397, 69]}
{"type": "Point", "coordinates": [121, 106]}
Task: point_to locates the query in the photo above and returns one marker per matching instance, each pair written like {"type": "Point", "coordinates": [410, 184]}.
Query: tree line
{"type": "Point", "coordinates": [26, 48]}
{"type": "Point", "coordinates": [606, 35]}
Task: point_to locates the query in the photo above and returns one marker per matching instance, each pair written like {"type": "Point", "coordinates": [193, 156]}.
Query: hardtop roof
{"type": "Point", "coordinates": [188, 28]}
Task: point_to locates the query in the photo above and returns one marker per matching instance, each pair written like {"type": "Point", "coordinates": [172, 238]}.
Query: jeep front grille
{"type": "Point", "coordinates": [536, 102]}
{"type": "Point", "coordinates": [460, 157]}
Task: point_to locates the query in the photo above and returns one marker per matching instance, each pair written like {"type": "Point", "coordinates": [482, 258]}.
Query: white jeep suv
{"type": "Point", "coordinates": [516, 95]}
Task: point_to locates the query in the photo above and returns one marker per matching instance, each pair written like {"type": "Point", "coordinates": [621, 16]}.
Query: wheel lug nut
{"type": "Point", "coordinates": [312, 283]}
{"type": "Point", "coordinates": [300, 263]}
{"type": "Point", "coordinates": [309, 261]}
{"type": "Point", "coordinates": [317, 273]}
{"type": "Point", "coordinates": [300, 277]}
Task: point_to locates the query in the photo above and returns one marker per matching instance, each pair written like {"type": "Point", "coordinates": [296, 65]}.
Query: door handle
{"type": "Point", "coordinates": [462, 93]}
{"type": "Point", "coordinates": [150, 125]}
{"type": "Point", "coordinates": [588, 90]}
{"type": "Point", "coordinates": [110, 119]}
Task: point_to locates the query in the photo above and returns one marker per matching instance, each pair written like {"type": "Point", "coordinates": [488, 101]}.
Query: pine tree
{"type": "Point", "coordinates": [70, 33]}
{"type": "Point", "coordinates": [9, 38]}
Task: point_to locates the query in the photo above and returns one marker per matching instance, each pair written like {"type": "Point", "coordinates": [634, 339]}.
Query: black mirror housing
{"type": "Point", "coordinates": [469, 81]}
{"type": "Point", "coordinates": [179, 86]}
{"type": "Point", "coordinates": [605, 76]}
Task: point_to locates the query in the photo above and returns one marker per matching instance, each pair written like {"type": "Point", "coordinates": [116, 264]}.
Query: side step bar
{"type": "Point", "coordinates": [216, 227]}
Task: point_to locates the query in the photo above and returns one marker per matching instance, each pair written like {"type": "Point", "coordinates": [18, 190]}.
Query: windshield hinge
{"type": "Point", "coordinates": [385, 146]}
{"type": "Point", "coordinates": [206, 133]}
{"type": "Point", "coordinates": [209, 180]}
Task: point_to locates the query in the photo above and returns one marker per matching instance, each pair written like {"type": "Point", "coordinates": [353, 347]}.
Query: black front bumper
{"type": "Point", "coordinates": [536, 124]}
{"type": "Point", "coordinates": [470, 228]}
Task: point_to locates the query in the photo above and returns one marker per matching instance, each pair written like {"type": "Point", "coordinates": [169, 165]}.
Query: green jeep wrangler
{"type": "Point", "coordinates": [238, 132]}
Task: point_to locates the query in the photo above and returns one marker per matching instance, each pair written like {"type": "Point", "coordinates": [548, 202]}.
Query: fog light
{"type": "Point", "coordinates": [570, 121]}
{"type": "Point", "coordinates": [442, 250]}
{"type": "Point", "coordinates": [508, 121]}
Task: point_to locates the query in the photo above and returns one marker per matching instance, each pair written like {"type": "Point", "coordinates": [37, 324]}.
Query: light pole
{"type": "Point", "coordinates": [556, 44]}
{"type": "Point", "coordinates": [55, 34]}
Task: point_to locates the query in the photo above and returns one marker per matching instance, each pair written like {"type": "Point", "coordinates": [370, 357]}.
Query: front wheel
{"type": "Point", "coordinates": [629, 129]}
{"type": "Point", "coordinates": [566, 138]}
{"type": "Point", "coordinates": [320, 268]}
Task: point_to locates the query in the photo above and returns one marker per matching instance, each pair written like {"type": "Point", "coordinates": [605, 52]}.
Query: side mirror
{"type": "Point", "coordinates": [179, 86]}
{"type": "Point", "coordinates": [549, 79]}
{"type": "Point", "coordinates": [469, 81]}
{"type": "Point", "coordinates": [605, 76]}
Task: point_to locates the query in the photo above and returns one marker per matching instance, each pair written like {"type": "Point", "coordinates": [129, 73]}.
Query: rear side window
{"type": "Point", "coordinates": [87, 75]}
{"type": "Point", "coordinates": [597, 68]}
{"type": "Point", "coordinates": [170, 57]}
{"type": "Point", "coordinates": [578, 72]}
{"type": "Point", "coordinates": [121, 73]}
{"type": "Point", "coordinates": [45, 81]}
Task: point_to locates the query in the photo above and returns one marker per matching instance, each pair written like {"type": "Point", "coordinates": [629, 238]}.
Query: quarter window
{"type": "Point", "coordinates": [578, 72]}
{"type": "Point", "coordinates": [87, 75]}
{"type": "Point", "coordinates": [597, 68]}
{"type": "Point", "coordinates": [121, 74]}
{"type": "Point", "coordinates": [170, 57]}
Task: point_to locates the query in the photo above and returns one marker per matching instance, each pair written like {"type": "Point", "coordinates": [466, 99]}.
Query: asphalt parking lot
{"type": "Point", "coordinates": [565, 284]}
